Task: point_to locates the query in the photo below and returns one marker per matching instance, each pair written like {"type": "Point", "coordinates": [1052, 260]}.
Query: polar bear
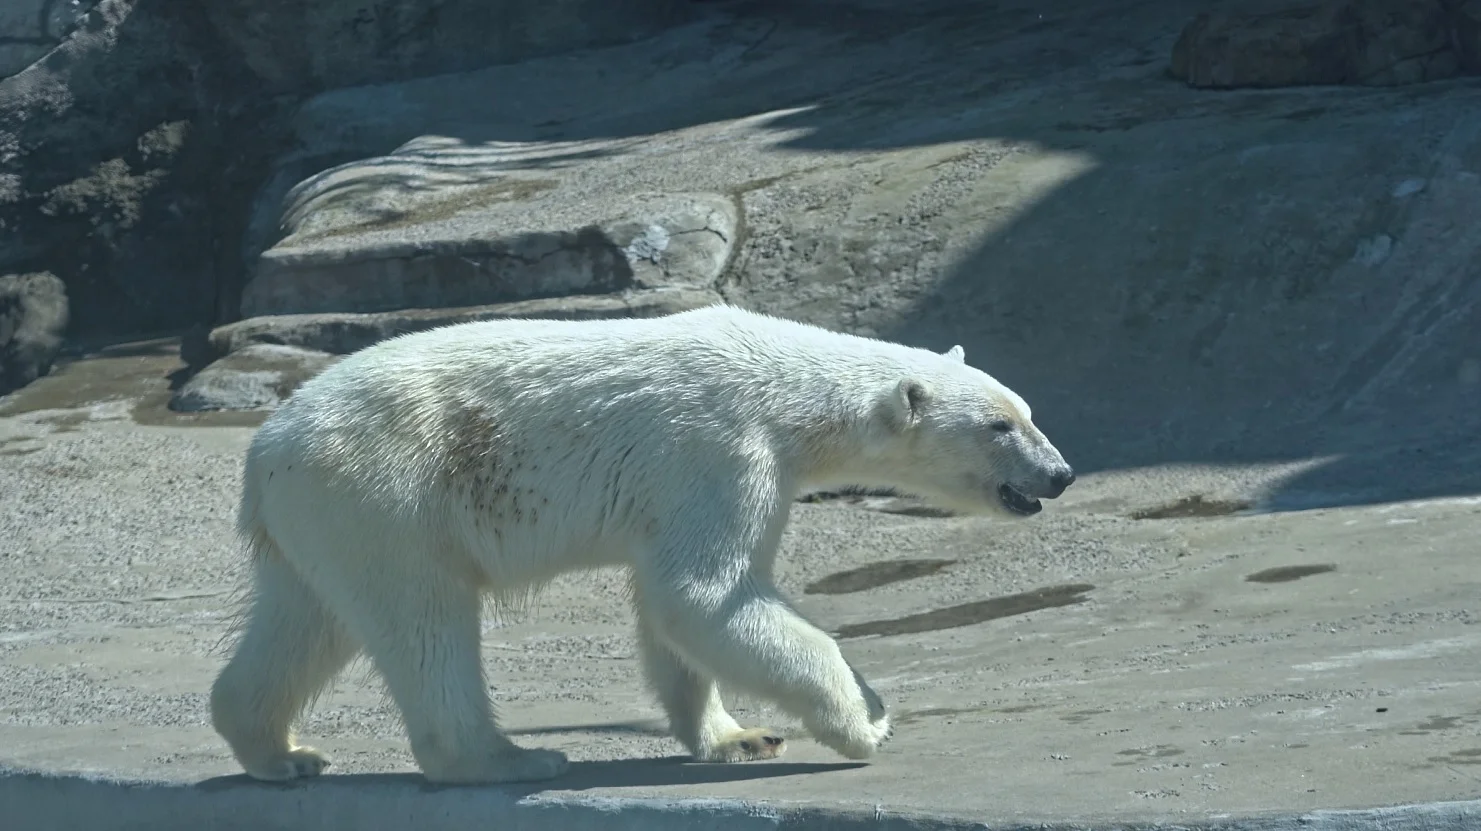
{"type": "Point", "coordinates": [393, 493]}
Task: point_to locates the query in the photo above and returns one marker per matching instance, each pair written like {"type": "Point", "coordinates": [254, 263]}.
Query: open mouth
{"type": "Point", "coordinates": [1017, 503]}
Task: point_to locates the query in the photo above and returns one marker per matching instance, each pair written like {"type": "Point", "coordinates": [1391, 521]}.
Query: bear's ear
{"type": "Point", "coordinates": [956, 353]}
{"type": "Point", "coordinates": [906, 402]}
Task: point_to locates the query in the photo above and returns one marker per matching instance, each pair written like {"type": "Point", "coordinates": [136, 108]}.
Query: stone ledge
{"type": "Point", "coordinates": [364, 240]}
{"type": "Point", "coordinates": [340, 333]}
{"type": "Point", "coordinates": [43, 802]}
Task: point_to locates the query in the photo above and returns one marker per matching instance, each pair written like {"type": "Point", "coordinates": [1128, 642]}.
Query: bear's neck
{"type": "Point", "coordinates": [831, 438]}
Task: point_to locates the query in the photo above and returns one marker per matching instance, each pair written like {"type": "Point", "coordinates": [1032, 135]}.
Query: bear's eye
{"type": "Point", "coordinates": [1002, 425]}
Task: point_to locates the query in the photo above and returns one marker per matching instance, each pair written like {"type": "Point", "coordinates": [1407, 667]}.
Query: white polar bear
{"type": "Point", "coordinates": [394, 492]}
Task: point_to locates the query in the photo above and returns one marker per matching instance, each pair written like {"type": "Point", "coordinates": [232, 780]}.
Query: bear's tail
{"type": "Point", "coordinates": [253, 535]}
{"type": "Point", "coordinates": [251, 530]}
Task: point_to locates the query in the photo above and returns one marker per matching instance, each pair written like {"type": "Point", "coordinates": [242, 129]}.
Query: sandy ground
{"type": "Point", "coordinates": [1155, 644]}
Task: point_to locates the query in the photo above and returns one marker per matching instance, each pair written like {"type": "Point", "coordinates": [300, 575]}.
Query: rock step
{"type": "Point", "coordinates": [340, 333]}
{"type": "Point", "coordinates": [471, 242]}
{"type": "Point", "coordinates": [259, 377]}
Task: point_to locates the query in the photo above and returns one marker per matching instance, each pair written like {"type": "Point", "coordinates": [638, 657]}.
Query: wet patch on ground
{"type": "Point", "coordinates": [145, 372]}
{"type": "Point", "coordinates": [1285, 574]}
{"type": "Point", "coordinates": [874, 575]}
{"type": "Point", "coordinates": [968, 614]}
{"type": "Point", "coordinates": [1194, 506]}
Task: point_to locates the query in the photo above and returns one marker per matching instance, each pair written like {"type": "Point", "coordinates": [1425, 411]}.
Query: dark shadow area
{"type": "Point", "coordinates": [583, 776]}
{"type": "Point", "coordinates": [1285, 574]}
{"type": "Point", "coordinates": [130, 178]}
{"type": "Point", "coordinates": [875, 575]}
{"type": "Point", "coordinates": [969, 614]}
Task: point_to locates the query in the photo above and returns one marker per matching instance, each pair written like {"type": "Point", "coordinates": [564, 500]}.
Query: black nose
{"type": "Point", "coordinates": [1061, 480]}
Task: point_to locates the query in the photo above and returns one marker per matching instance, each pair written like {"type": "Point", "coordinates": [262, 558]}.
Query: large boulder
{"type": "Point", "coordinates": [33, 319]}
{"type": "Point", "coordinates": [1371, 42]}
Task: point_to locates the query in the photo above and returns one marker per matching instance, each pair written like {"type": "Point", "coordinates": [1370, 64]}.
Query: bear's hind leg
{"type": "Point", "coordinates": [697, 717]}
{"type": "Point", "coordinates": [291, 649]}
{"type": "Point", "coordinates": [422, 632]}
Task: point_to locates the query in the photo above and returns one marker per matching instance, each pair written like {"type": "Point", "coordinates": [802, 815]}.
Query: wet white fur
{"type": "Point", "coordinates": [395, 491]}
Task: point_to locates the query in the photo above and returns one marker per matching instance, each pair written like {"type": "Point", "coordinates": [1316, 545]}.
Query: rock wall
{"type": "Point", "coordinates": [131, 149]}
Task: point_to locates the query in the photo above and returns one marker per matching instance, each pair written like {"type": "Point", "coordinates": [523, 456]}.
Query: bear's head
{"type": "Point", "coordinates": [959, 437]}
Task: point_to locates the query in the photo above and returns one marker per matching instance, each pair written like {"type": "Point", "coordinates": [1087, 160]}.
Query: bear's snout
{"type": "Point", "coordinates": [1059, 481]}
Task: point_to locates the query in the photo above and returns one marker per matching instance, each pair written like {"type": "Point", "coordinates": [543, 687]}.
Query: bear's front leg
{"type": "Point", "coordinates": [702, 596]}
{"type": "Point", "coordinates": [697, 717]}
